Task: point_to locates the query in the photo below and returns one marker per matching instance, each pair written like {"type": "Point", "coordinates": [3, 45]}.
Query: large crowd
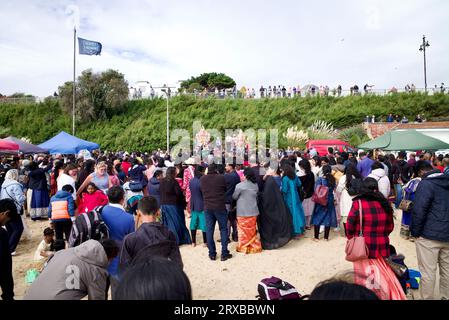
{"type": "Point", "coordinates": [115, 216]}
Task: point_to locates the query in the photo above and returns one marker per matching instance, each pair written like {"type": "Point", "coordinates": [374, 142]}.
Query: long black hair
{"type": "Point", "coordinates": [327, 174]}
{"type": "Point", "coordinates": [351, 171]}
{"type": "Point", "coordinates": [289, 171]}
{"type": "Point", "coordinates": [305, 164]}
{"type": "Point", "coordinates": [370, 191]}
{"type": "Point", "coordinates": [170, 174]}
{"type": "Point", "coordinates": [250, 175]}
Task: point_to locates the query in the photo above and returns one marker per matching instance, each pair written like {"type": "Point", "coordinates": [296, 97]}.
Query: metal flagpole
{"type": "Point", "coordinates": [74, 70]}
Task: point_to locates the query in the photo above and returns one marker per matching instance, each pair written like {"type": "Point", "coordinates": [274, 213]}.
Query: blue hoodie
{"type": "Point", "coordinates": [61, 207]}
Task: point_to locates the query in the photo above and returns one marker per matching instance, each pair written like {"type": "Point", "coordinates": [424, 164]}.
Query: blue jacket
{"type": "Point", "coordinates": [430, 213]}
{"type": "Point", "coordinates": [62, 200]}
{"type": "Point", "coordinates": [232, 180]}
{"type": "Point", "coordinates": [196, 196]}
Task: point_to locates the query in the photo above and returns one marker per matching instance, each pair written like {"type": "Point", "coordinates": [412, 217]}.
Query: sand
{"type": "Point", "coordinates": [303, 263]}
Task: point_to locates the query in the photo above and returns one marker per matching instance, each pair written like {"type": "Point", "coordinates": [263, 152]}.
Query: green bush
{"type": "Point", "coordinates": [142, 123]}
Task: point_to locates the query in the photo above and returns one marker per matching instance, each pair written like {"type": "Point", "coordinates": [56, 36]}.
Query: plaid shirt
{"type": "Point", "coordinates": [377, 226]}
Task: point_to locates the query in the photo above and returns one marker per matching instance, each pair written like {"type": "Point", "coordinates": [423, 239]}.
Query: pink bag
{"type": "Point", "coordinates": [320, 195]}
{"type": "Point", "coordinates": [356, 248]}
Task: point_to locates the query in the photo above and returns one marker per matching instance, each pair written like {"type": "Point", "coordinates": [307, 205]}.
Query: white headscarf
{"type": "Point", "coordinates": [12, 174]}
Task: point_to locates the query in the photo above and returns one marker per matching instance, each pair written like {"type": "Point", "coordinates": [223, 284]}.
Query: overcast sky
{"type": "Point", "coordinates": [255, 42]}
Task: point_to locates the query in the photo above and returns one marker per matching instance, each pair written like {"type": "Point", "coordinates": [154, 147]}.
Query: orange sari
{"type": "Point", "coordinates": [248, 240]}
{"type": "Point", "coordinates": [376, 275]}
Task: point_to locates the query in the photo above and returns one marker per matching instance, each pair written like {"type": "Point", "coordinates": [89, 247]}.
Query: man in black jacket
{"type": "Point", "coordinates": [232, 180]}
{"type": "Point", "coordinates": [150, 239]}
{"type": "Point", "coordinates": [8, 212]}
{"type": "Point", "coordinates": [430, 226]}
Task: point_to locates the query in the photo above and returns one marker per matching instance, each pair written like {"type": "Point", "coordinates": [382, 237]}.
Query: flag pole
{"type": "Point", "coordinates": [74, 70]}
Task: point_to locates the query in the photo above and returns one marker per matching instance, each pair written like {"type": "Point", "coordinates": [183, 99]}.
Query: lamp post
{"type": "Point", "coordinates": [167, 92]}
{"type": "Point", "coordinates": [423, 47]}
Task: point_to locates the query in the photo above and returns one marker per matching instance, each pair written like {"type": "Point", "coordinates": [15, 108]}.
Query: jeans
{"type": "Point", "coordinates": [15, 230]}
{"type": "Point", "coordinates": [212, 216]}
{"type": "Point", "coordinates": [398, 189]}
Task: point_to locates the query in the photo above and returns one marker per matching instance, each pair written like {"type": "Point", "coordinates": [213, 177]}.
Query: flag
{"type": "Point", "coordinates": [89, 47]}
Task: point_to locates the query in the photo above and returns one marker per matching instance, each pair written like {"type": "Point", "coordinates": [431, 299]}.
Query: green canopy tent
{"type": "Point", "coordinates": [404, 140]}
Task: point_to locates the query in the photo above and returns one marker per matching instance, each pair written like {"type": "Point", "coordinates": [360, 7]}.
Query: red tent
{"type": "Point", "coordinates": [6, 145]}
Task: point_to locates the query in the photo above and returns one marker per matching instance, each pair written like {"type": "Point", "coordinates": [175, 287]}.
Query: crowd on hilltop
{"type": "Point", "coordinates": [395, 119]}
{"type": "Point", "coordinates": [110, 214]}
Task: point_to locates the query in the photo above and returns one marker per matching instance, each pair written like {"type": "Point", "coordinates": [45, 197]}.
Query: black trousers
{"type": "Point", "coordinates": [327, 231]}
{"type": "Point", "coordinates": [63, 228]}
{"type": "Point", "coordinates": [193, 234]}
{"type": "Point", "coordinates": [232, 223]}
{"type": "Point", "coordinates": [15, 230]}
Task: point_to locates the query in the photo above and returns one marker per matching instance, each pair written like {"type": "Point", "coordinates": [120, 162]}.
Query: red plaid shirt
{"type": "Point", "coordinates": [377, 226]}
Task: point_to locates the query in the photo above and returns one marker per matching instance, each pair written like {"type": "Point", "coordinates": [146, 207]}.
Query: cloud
{"type": "Point", "coordinates": [270, 43]}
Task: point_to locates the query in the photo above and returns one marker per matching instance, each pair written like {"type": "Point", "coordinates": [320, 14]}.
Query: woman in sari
{"type": "Point", "coordinates": [37, 183]}
{"type": "Point", "coordinates": [290, 185]}
{"type": "Point", "coordinates": [247, 211]}
{"type": "Point", "coordinates": [172, 207]}
{"type": "Point", "coordinates": [377, 220]}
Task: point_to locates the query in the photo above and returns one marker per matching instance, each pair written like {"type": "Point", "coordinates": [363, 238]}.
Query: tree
{"type": "Point", "coordinates": [208, 81]}
{"type": "Point", "coordinates": [98, 95]}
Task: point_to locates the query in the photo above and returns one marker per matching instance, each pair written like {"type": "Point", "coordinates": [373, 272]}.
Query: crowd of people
{"type": "Point", "coordinates": [394, 119]}
{"type": "Point", "coordinates": [144, 199]}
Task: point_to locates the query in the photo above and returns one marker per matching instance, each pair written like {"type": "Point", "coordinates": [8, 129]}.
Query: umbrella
{"type": "Point", "coordinates": [25, 147]}
{"type": "Point", "coordinates": [404, 140]}
{"type": "Point", "coordinates": [8, 146]}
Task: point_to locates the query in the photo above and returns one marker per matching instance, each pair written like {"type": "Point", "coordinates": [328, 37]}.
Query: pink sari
{"type": "Point", "coordinates": [376, 275]}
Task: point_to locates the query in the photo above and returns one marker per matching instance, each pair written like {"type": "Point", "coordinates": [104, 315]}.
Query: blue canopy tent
{"type": "Point", "coordinates": [65, 143]}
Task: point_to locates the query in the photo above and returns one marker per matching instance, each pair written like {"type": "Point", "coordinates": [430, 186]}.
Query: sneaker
{"type": "Point", "coordinates": [226, 257]}
{"type": "Point", "coordinates": [321, 229]}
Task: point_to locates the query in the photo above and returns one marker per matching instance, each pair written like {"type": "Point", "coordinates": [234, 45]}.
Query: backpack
{"type": "Point", "coordinates": [355, 186]}
{"type": "Point", "coordinates": [88, 226]}
{"type": "Point", "coordinates": [276, 289]}
{"type": "Point", "coordinates": [131, 204]}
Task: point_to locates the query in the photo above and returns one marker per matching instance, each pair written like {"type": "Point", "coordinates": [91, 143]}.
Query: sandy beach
{"type": "Point", "coordinates": [303, 263]}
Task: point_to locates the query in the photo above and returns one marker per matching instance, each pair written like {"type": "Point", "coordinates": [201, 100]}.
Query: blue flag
{"type": "Point", "coordinates": [89, 47]}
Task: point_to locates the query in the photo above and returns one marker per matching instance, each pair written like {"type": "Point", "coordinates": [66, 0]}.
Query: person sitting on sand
{"type": "Point", "coordinates": [43, 251]}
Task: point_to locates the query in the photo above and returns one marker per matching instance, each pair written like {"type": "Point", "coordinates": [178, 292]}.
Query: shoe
{"type": "Point", "coordinates": [226, 257]}
{"type": "Point", "coordinates": [213, 258]}
{"type": "Point", "coordinates": [13, 253]}
{"type": "Point", "coordinates": [235, 239]}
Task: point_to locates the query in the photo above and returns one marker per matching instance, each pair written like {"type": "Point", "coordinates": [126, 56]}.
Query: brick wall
{"type": "Point", "coordinates": [375, 130]}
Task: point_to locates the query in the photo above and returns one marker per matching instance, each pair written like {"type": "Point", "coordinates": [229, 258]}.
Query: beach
{"type": "Point", "coordinates": [303, 263]}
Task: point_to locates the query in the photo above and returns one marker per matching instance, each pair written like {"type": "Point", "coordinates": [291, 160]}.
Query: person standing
{"type": "Point", "coordinates": [172, 207]}
{"type": "Point", "coordinates": [61, 211]}
{"type": "Point", "coordinates": [37, 184]}
{"type": "Point", "coordinates": [325, 215]}
{"type": "Point", "coordinates": [290, 186]}
{"type": "Point", "coordinates": [151, 238]}
{"type": "Point", "coordinates": [364, 165]}
{"type": "Point", "coordinates": [430, 227]}
{"type": "Point", "coordinates": [232, 180]}
{"type": "Point", "coordinates": [68, 177]}
{"type": "Point", "coordinates": [120, 224]}
{"type": "Point", "coordinates": [12, 189]}
{"type": "Point", "coordinates": [401, 175]}
{"type": "Point", "coordinates": [100, 177]}
{"type": "Point", "coordinates": [308, 182]}
{"type": "Point", "coordinates": [189, 173]}
{"type": "Point", "coordinates": [8, 213]}
{"type": "Point", "coordinates": [213, 188]}
{"type": "Point", "coordinates": [372, 214]}
{"type": "Point", "coordinates": [198, 220]}
{"type": "Point", "coordinates": [342, 188]}
{"type": "Point", "coordinates": [378, 173]}
{"type": "Point", "coordinates": [247, 212]}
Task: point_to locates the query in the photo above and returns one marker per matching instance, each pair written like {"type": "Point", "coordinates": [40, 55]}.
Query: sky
{"type": "Point", "coordinates": [282, 42]}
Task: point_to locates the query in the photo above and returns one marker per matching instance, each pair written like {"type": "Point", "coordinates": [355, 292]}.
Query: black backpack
{"type": "Point", "coordinates": [89, 226]}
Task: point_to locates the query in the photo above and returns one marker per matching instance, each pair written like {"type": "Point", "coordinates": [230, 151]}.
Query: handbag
{"type": "Point", "coordinates": [405, 204]}
{"type": "Point", "coordinates": [320, 195]}
{"type": "Point", "coordinates": [398, 269]}
{"type": "Point", "coordinates": [356, 248]}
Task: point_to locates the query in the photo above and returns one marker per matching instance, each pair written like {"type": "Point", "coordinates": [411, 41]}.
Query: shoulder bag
{"type": "Point", "coordinates": [356, 248]}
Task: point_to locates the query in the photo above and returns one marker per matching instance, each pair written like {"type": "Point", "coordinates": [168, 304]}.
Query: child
{"type": "Point", "coordinates": [61, 211]}
{"type": "Point", "coordinates": [92, 199]}
{"type": "Point", "coordinates": [400, 260]}
{"type": "Point", "coordinates": [44, 251]}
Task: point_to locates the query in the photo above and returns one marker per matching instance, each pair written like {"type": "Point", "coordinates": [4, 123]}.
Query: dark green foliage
{"type": "Point", "coordinates": [209, 81]}
{"type": "Point", "coordinates": [141, 124]}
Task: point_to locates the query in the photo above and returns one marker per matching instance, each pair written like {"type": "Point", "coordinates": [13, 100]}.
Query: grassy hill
{"type": "Point", "coordinates": [141, 125]}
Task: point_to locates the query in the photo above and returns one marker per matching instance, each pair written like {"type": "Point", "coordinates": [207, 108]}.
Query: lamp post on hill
{"type": "Point", "coordinates": [167, 91]}
{"type": "Point", "coordinates": [423, 47]}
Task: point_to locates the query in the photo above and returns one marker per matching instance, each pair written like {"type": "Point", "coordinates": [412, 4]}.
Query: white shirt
{"type": "Point", "coordinates": [43, 246]}
{"type": "Point", "coordinates": [65, 179]}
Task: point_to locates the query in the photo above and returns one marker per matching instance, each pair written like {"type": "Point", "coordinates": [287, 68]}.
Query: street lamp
{"type": "Point", "coordinates": [167, 94]}
{"type": "Point", "coordinates": [423, 47]}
